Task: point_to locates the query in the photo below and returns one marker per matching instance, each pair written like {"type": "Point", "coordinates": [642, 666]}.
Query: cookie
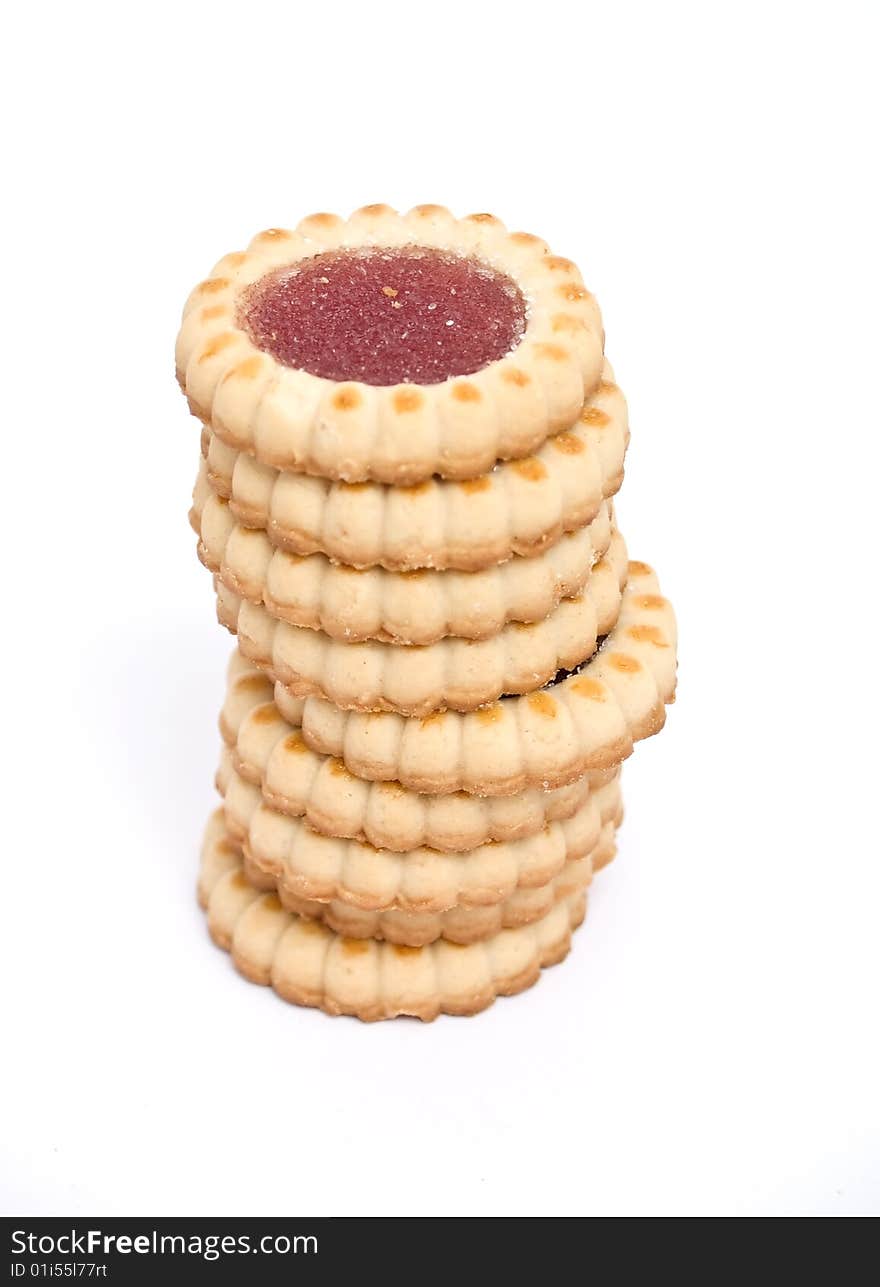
{"type": "Point", "coordinates": [409, 608]}
{"type": "Point", "coordinates": [310, 965]}
{"type": "Point", "coordinates": [520, 507]}
{"type": "Point", "coordinates": [582, 721]}
{"type": "Point", "coordinates": [320, 868]}
{"type": "Point", "coordinates": [247, 688]}
{"type": "Point", "coordinates": [268, 751]}
{"type": "Point", "coordinates": [454, 674]}
{"type": "Point", "coordinates": [390, 347]}
{"type": "Point", "coordinates": [417, 929]}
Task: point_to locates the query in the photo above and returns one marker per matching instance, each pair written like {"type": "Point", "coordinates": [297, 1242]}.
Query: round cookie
{"type": "Point", "coordinates": [519, 507]}
{"type": "Point", "coordinates": [318, 350]}
{"type": "Point", "coordinates": [308, 964]}
{"type": "Point", "coordinates": [454, 674]}
{"type": "Point", "coordinates": [321, 868]}
{"type": "Point", "coordinates": [460, 924]}
{"type": "Point", "coordinates": [268, 751]}
{"type": "Point", "coordinates": [354, 605]}
{"type": "Point", "coordinates": [586, 720]}
{"type": "Point", "coordinates": [416, 929]}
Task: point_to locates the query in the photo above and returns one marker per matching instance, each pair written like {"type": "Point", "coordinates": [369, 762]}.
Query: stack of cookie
{"type": "Point", "coordinates": [411, 441]}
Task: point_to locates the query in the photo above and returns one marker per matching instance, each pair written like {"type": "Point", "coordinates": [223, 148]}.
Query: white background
{"type": "Point", "coordinates": [711, 1045]}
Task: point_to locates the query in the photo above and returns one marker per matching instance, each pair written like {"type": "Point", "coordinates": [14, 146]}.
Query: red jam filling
{"type": "Point", "coordinates": [408, 315]}
{"type": "Point", "coordinates": [561, 675]}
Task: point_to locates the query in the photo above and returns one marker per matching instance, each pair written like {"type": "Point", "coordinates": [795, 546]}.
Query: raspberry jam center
{"type": "Point", "coordinates": [407, 315]}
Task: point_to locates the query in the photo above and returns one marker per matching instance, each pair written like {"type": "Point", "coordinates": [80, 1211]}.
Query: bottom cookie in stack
{"type": "Point", "coordinates": [311, 965]}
